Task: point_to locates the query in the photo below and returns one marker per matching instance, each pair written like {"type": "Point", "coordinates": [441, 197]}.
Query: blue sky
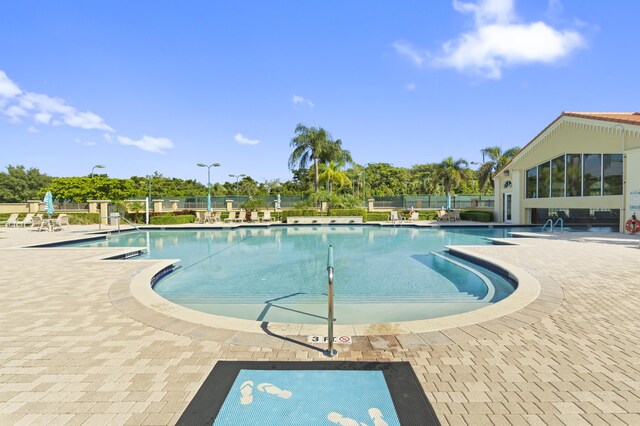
{"type": "Point", "coordinates": [151, 86]}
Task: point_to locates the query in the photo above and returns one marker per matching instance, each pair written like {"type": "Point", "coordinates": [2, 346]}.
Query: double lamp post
{"type": "Point", "coordinates": [208, 182]}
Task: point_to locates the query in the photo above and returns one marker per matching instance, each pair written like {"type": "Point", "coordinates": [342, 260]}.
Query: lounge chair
{"type": "Point", "coordinates": [253, 217]}
{"type": "Point", "coordinates": [454, 215]}
{"type": "Point", "coordinates": [217, 217]}
{"type": "Point", "coordinates": [266, 216]}
{"type": "Point", "coordinates": [443, 215]}
{"type": "Point", "coordinates": [28, 219]}
{"type": "Point", "coordinates": [414, 216]}
{"type": "Point", "coordinates": [201, 217]}
{"type": "Point", "coordinates": [231, 218]}
{"type": "Point", "coordinates": [12, 221]}
{"type": "Point", "coordinates": [39, 224]}
{"type": "Point", "coordinates": [241, 216]}
{"type": "Point", "coordinates": [394, 216]}
{"type": "Point", "coordinates": [61, 222]}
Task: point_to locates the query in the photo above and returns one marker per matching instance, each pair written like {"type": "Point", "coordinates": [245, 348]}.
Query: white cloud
{"type": "Point", "coordinates": [499, 39]}
{"type": "Point", "coordinates": [108, 137]}
{"type": "Point", "coordinates": [244, 140]}
{"type": "Point", "coordinates": [32, 129]}
{"type": "Point", "coordinates": [8, 89]}
{"type": "Point", "coordinates": [297, 100]}
{"type": "Point", "coordinates": [409, 52]}
{"type": "Point", "coordinates": [148, 143]}
{"type": "Point", "coordinates": [410, 87]}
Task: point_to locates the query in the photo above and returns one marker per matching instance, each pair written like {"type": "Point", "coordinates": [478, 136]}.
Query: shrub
{"type": "Point", "coordinates": [172, 219]}
{"type": "Point", "coordinates": [83, 218]}
{"type": "Point", "coordinates": [305, 212]}
{"type": "Point", "coordinates": [377, 217]}
{"type": "Point", "coordinates": [349, 212]}
{"type": "Point", "coordinates": [477, 215]}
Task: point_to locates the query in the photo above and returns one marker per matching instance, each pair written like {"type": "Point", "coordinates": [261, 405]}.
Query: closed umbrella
{"type": "Point", "coordinates": [48, 203]}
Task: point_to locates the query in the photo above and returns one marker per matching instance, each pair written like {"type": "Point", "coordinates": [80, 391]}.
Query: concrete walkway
{"type": "Point", "coordinates": [75, 350]}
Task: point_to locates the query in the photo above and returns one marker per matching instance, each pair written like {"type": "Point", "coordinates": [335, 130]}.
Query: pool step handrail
{"type": "Point", "coordinates": [559, 220]}
{"type": "Point", "coordinates": [548, 222]}
{"type": "Point", "coordinates": [330, 352]}
{"type": "Point", "coordinates": [130, 223]}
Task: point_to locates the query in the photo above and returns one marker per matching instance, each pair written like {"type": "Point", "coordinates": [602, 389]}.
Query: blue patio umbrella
{"type": "Point", "coordinates": [48, 203]}
{"type": "Point", "coordinates": [448, 201]}
{"type": "Point", "coordinates": [278, 202]}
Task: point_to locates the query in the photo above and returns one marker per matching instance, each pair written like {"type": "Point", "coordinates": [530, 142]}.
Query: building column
{"type": "Point", "coordinates": [229, 205]}
{"type": "Point", "coordinates": [370, 204]}
{"type": "Point", "coordinates": [34, 206]}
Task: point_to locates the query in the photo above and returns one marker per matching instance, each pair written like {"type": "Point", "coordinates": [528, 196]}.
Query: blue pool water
{"type": "Point", "coordinates": [307, 398]}
{"type": "Point", "coordinates": [279, 274]}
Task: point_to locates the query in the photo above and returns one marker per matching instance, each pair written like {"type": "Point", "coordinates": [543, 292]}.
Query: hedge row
{"type": "Point", "coordinates": [477, 215]}
{"type": "Point", "coordinates": [172, 220]}
{"type": "Point", "coordinates": [303, 212]}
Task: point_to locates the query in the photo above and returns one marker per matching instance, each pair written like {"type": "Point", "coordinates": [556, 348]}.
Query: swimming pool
{"type": "Point", "coordinates": [279, 274]}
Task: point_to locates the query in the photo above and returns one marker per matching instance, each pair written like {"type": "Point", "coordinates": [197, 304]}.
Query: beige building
{"type": "Point", "coordinates": [584, 167]}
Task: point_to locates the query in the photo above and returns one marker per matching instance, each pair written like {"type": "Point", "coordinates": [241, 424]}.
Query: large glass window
{"type": "Point", "coordinates": [544, 180]}
{"type": "Point", "coordinates": [592, 174]}
{"type": "Point", "coordinates": [574, 175]}
{"type": "Point", "coordinates": [612, 168]}
{"type": "Point", "coordinates": [532, 183]}
{"type": "Point", "coordinates": [557, 177]}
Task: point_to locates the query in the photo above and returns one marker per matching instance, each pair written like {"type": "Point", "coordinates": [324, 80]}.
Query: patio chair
{"type": "Point", "coordinates": [241, 216]}
{"type": "Point", "coordinates": [217, 217]}
{"type": "Point", "coordinates": [61, 222]}
{"type": "Point", "coordinates": [28, 219]}
{"type": "Point", "coordinates": [394, 216]}
{"type": "Point", "coordinates": [231, 218]}
{"type": "Point", "coordinates": [266, 216]}
{"type": "Point", "coordinates": [254, 216]}
{"type": "Point", "coordinates": [414, 216]}
{"type": "Point", "coordinates": [12, 221]}
{"type": "Point", "coordinates": [39, 224]}
{"type": "Point", "coordinates": [454, 215]}
{"type": "Point", "coordinates": [443, 215]}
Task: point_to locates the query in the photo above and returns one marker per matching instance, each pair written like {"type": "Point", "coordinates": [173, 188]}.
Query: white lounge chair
{"type": "Point", "coordinates": [443, 215]}
{"type": "Point", "coordinates": [231, 218]}
{"type": "Point", "coordinates": [12, 221]}
{"type": "Point", "coordinates": [394, 216]}
{"type": "Point", "coordinates": [266, 216]}
{"type": "Point", "coordinates": [414, 216]}
{"type": "Point", "coordinates": [253, 217]}
{"type": "Point", "coordinates": [61, 222]}
{"type": "Point", "coordinates": [39, 224]}
{"type": "Point", "coordinates": [28, 219]}
{"type": "Point", "coordinates": [241, 216]}
{"type": "Point", "coordinates": [217, 217]}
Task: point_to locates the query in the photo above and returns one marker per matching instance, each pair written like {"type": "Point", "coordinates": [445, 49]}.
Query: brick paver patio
{"type": "Point", "coordinates": [75, 349]}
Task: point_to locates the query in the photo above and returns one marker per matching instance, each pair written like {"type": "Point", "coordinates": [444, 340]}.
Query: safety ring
{"type": "Point", "coordinates": [633, 225]}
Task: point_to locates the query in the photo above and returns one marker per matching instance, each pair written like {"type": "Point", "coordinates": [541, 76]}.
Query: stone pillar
{"type": "Point", "coordinates": [370, 204]}
{"type": "Point", "coordinates": [34, 206]}
{"type": "Point", "coordinates": [93, 206]}
{"type": "Point", "coordinates": [157, 206]}
{"type": "Point", "coordinates": [229, 205]}
{"type": "Point", "coordinates": [174, 204]}
{"type": "Point", "coordinates": [104, 211]}
{"type": "Point", "coordinates": [324, 206]}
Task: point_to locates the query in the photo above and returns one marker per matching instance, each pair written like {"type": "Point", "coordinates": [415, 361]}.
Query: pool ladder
{"type": "Point", "coordinates": [553, 225]}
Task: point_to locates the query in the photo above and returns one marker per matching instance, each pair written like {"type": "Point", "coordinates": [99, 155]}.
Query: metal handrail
{"type": "Point", "coordinates": [548, 222]}
{"type": "Point", "coordinates": [330, 352]}
{"type": "Point", "coordinates": [130, 223]}
{"type": "Point", "coordinates": [556, 223]}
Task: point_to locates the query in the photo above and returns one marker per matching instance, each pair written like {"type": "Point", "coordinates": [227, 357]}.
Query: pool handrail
{"type": "Point", "coordinates": [548, 222]}
{"type": "Point", "coordinates": [330, 352]}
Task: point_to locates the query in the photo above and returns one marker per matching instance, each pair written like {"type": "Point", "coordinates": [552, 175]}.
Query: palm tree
{"type": "Point", "coordinates": [315, 144]}
{"type": "Point", "coordinates": [497, 160]}
{"type": "Point", "coordinates": [331, 173]}
{"type": "Point", "coordinates": [451, 173]}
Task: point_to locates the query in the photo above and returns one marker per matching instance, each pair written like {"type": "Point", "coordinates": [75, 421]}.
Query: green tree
{"type": "Point", "coordinates": [315, 145]}
{"type": "Point", "coordinates": [18, 185]}
{"type": "Point", "coordinates": [331, 173]}
{"type": "Point", "coordinates": [451, 173]}
{"type": "Point", "coordinates": [497, 160]}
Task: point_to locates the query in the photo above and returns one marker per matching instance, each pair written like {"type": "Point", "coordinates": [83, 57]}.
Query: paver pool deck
{"type": "Point", "coordinates": [76, 348]}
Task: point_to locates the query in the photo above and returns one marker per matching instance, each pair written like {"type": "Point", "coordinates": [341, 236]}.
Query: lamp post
{"type": "Point", "coordinates": [208, 182]}
{"type": "Point", "coordinates": [97, 166]}
{"type": "Point", "coordinates": [237, 180]}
